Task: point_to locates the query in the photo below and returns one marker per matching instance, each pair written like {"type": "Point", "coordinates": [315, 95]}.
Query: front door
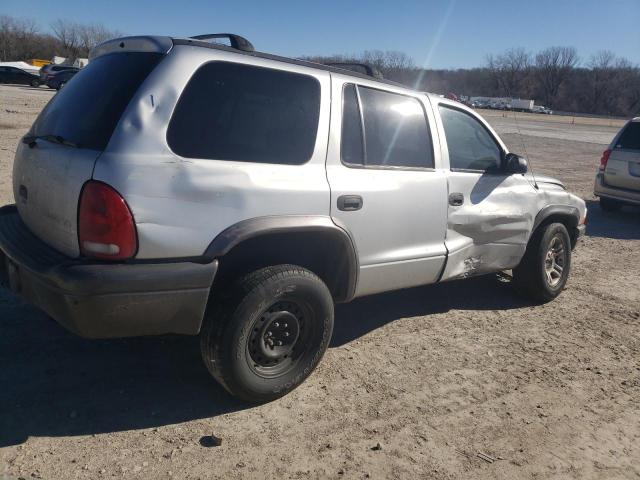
{"type": "Point", "coordinates": [490, 212]}
{"type": "Point", "coordinates": [385, 189]}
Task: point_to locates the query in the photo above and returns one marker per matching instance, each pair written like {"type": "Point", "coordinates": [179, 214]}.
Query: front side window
{"type": "Point", "coordinates": [395, 129]}
{"type": "Point", "coordinates": [244, 113]}
{"type": "Point", "coordinates": [471, 146]}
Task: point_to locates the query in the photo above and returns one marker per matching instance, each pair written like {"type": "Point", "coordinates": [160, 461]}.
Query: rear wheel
{"type": "Point", "coordinates": [609, 205]}
{"type": "Point", "coordinates": [544, 269]}
{"type": "Point", "coordinates": [269, 334]}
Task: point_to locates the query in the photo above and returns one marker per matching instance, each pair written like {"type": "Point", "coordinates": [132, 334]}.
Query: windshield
{"type": "Point", "coordinates": [87, 110]}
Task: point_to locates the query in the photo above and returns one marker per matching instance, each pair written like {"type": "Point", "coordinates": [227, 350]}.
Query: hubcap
{"type": "Point", "coordinates": [555, 261]}
{"type": "Point", "coordinates": [276, 340]}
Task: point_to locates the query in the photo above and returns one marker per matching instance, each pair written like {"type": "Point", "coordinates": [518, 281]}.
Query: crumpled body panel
{"type": "Point", "coordinates": [489, 232]}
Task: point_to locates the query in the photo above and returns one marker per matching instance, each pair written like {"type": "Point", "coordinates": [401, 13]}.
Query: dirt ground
{"type": "Point", "coordinates": [460, 380]}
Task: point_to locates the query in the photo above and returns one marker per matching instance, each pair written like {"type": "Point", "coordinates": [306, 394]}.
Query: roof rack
{"type": "Point", "coordinates": [368, 69]}
{"type": "Point", "coordinates": [236, 41]}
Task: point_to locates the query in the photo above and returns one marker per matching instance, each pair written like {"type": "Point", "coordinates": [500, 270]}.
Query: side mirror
{"type": "Point", "coordinates": [516, 164]}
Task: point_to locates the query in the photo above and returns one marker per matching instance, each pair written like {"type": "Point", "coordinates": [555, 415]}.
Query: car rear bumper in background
{"type": "Point", "coordinates": [601, 189]}
{"type": "Point", "coordinates": [98, 299]}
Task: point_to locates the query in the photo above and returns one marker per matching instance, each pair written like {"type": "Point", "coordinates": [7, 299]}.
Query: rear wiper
{"type": "Point", "coordinates": [31, 140]}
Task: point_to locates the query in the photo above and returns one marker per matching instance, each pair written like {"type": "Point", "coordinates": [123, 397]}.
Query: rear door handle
{"type": "Point", "coordinates": [456, 199]}
{"type": "Point", "coordinates": [350, 203]}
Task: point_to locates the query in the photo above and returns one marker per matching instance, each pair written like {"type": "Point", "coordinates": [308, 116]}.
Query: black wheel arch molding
{"type": "Point", "coordinates": [253, 229]}
{"type": "Point", "coordinates": [566, 214]}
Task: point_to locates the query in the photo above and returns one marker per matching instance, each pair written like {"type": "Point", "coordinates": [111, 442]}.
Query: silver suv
{"type": "Point", "coordinates": [618, 178]}
{"type": "Point", "coordinates": [183, 186]}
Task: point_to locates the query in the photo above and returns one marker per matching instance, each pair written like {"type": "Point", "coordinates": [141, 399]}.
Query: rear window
{"type": "Point", "coordinates": [395, 130]}
{"type": "Point", "coordinates": [87, 110]}
{"type": "Point", "coordinates": [630, 138]}
{"type": "Point", "coordinates": [244, 113]}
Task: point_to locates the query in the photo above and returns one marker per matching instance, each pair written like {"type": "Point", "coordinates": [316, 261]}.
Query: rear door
{"type": "Point", "coordinates": [48, 175]}
{"type": "Point", "coordinates": [490, 212]}
{"type": "Point", "coordinates": [623, 167]}
{"type": "Point", "coordinates": [385, 187]}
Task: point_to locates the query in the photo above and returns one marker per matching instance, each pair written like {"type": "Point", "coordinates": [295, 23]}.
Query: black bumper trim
{"type": "Point", "coordinates": [101, 300]}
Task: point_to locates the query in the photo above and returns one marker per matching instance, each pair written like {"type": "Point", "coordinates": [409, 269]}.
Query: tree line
{"type": "Point", "coordinates": [556, 77]}
{"type": "Point", "coordinates": [22, 39]}
{"type": "Point", "coordinates": [604, 84]}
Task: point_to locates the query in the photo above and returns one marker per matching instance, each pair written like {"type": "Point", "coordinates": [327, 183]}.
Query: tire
{"type": "Point", "coordinates": [544, 269]}
{"type": "Point", "coordinates": [240, 337]}
{"type": "Point", "coordinates": [610, 205]}
{"type": "Point", "coordinates": [35, 83]}
{"type": "Point", "coordinates": [60, 85]}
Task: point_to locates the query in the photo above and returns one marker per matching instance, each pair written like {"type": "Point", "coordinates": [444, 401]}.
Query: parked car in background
{"type": "Point", "coordinates": [618, 178]}
{"type": "Point", "coordinates": [58, 79]}
{"type": "Point", "coordinates": [18, 76]}
{"type": "Point", "coordinates": [49, 70]}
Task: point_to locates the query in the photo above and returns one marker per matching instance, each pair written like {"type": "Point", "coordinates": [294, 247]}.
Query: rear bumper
{"type": "Point", "coordinates": [601, 189]}
{"type": "Point", "coordinates": [102, 300]}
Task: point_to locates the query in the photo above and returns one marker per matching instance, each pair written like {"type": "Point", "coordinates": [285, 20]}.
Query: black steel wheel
{"type": "Point", "coordinates": [269, 334]}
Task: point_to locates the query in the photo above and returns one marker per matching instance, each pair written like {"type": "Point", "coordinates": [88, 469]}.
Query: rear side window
{"type": "Point", "coordinates": [630, 137]}
{"type": "Point", "coordinates": [244, 113]}
{"type": "Point", "coordinates": [87, 110]}
{"type": "Point", "coordinates": [395, 130]}
{"type": "Point", "coordinates": [352, 150]}
{"type": "Point", "coordinates": [471, 146]}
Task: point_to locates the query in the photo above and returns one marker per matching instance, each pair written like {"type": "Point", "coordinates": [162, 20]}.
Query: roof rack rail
{"type": "Point", "coordinates": [368, 69]}
{"type": "Point", "coordinates": [236, 41]}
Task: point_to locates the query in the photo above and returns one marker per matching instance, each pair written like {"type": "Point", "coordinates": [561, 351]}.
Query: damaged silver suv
{"type": "Point", "coordinates": [212, 190]}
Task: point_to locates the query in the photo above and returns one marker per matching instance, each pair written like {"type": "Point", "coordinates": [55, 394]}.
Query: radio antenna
{"type": "Point", "coordinates": [524, 147]}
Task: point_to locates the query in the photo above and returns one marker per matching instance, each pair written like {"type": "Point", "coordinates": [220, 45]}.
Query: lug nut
{"type": "Point", "coordinates": [276, 324]}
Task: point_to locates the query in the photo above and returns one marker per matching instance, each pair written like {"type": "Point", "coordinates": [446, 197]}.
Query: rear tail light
{"type": "Point", "coordinates": [106, 228]}
{"type": "Point", "coordinates": [604, 159]}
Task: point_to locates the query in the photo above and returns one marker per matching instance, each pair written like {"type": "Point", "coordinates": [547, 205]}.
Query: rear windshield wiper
{"type": "Point", "coordinates": [31, 140]}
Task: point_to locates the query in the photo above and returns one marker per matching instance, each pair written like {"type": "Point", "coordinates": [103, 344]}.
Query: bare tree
{"type": "Point", "coordinates": [78, 39]}
{"type": "Point", "coordinates": [66, 32]}
{"type": "Point", "coordinates": [18, 38]}
{"type": "Point", "coordinates": [92, 35]}
{"type": "Point", "coordinates": [552, 67]}
{"type": "Point", "coordinates": [510, 70]}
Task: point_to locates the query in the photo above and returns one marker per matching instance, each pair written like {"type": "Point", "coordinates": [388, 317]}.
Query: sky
{"type": "Point", "coordinates": [436, 33]}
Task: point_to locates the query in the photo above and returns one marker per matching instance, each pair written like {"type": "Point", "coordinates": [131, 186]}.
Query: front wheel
{"type": "Point", "coordinates": [269, 334]}
{"type": "Point", "coordinates": [544, 269]}
{"type": "Point", "coordinates": [35, 83]}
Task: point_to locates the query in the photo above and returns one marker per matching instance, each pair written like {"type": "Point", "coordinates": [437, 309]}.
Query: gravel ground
{"type": "Point", "coordinates": [460, 380]}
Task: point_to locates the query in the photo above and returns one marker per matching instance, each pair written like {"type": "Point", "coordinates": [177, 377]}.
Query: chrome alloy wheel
{"type": "Point", "coordinates": [555, 261]}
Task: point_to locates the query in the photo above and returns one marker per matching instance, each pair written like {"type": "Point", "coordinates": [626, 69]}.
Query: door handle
{"type": "Point", "coordinates": [350, 203]}
{"type": "Point", "coordinates": [456, 199]}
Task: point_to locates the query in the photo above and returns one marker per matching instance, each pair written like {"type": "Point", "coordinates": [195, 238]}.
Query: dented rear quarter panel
{"type": "Point", "coordinates": [181, 204]}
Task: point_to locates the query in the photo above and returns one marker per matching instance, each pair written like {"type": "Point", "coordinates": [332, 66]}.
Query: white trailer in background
{"type": "Point", "coordinates": [522, 105]}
